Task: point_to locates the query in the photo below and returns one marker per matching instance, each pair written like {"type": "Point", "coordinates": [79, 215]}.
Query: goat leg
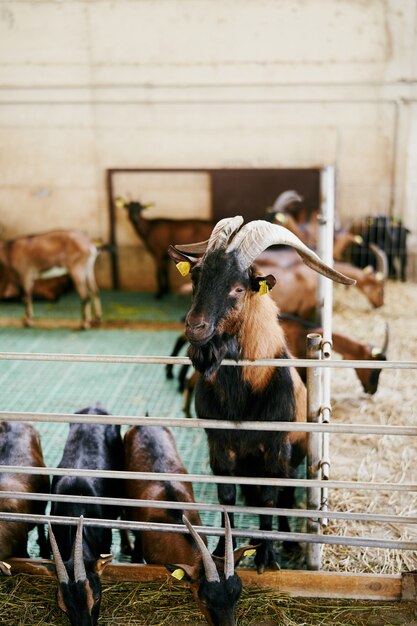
{"type": "Point", "coordinates": [226, 496]}
{"type": "Point", "coordinates": [27, 283]}
{"type": "Point", "coordinates": [43, 542]}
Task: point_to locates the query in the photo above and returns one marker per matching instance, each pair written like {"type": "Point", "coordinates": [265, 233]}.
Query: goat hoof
{"type": "Point", "coordinates": [28, 323]}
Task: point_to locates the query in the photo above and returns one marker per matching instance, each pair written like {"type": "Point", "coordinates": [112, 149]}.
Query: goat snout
{"type": "Point", "coordinates": [198, 329]}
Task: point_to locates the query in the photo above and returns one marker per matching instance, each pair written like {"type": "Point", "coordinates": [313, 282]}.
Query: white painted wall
{"type": "Point", "coordinates": [87, 85]}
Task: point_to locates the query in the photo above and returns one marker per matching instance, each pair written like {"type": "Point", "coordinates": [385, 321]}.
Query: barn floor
{"type": "Point", "coordinates": [134, 389]}
{"type": "Point", "coordinates": [123, 389]}
{"type": "Point", "coordinates": [31, 601]}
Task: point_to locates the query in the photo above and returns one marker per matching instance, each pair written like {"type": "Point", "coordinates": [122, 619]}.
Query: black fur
{"type": "Point", "coordinates": [88, 446]}
{"type": "Point", "coordinates": [222, 393]}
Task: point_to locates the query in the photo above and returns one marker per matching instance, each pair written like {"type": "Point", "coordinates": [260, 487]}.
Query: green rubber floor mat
{"type": "Point", "coordinates": [117, 305]}
{"type": "Point", "coordinates": [124, 389]}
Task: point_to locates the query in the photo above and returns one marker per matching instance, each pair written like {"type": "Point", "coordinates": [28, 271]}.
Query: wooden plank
{"type": "Point", "coordinates": [297, 583]}
{"type": "Point", "coordinates": [321, 584]}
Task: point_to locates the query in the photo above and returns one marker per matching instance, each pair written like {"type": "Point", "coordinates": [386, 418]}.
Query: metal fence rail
{"type": "Point", "coordinates": [200, 506]}
{"type": "Point", "coordinates": [204, 478]}
{"type": "Point", "coordinates": [308, 538]}
{"type": "Point", "coordinates": [178, 360]}
{"type": "Point", "coordinates": [76, 418]}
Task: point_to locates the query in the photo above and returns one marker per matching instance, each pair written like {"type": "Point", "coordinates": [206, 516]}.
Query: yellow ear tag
{"type": "Point", "coordinates": [178, 574]}
{"type": "Point", "coordinates": [184, 268]}
{"type": "Point", "coordinates": [249, 552]}
{"type": "Point", "coordinates": [263, 287]}
{"type": "Point", "coordinates": [119, 203]}
{"type": "Point", "coordinates": [281, 218]}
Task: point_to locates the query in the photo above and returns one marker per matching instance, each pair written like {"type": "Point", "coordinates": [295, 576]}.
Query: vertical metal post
{"type": "Point", "coordinates": [112, 229]}
{"type": "Point", "coordinates": [314, 447]}
{"type": "Point", "coordinates": [325, 251]}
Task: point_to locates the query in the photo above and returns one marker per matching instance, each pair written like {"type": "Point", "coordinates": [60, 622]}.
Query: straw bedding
{"type": "Point", "coordinates": [30, 600]}
{"type": "Point", "coordinates": [375, 458]}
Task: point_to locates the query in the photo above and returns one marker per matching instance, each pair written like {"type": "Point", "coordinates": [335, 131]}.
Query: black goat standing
{"type": "Point", "coordinates": [229, 318]}
{"type": "Point", "coordinates": [390, 235]}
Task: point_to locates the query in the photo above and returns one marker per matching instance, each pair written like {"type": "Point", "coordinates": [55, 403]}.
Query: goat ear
{"type": "Point", "coordinates": [60, 600]}
{"type": "Point", "coordinates": [184, 262]}
{"type": "Point", "coordinates": [5, 568]}
{"type": "Point", "coordinates": [239, 553]}
{"type": "Point", "coordinates": [180, 572]}
{"type": "Point", "coordinates": [101, 563]}
{"type": "Point", "coordinates": [263, 284]}
{"type": "Point", "coordinates": [46, 569]}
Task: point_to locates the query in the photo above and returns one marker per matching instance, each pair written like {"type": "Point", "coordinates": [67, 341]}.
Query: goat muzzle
{"type": "Point", "coordinates": [198, 330]}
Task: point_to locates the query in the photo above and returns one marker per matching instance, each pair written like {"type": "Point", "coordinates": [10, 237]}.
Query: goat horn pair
{"type": "Point", "coordinates": [61, 570]}
{"type": "Point", "coordinates": [381, 260]}
{"type": "Point", "coordinates": [79, 567]}
{"type": "Point", "coordinates": [253, 238]}
{"type": "Point", "coordinates": [210, 568]}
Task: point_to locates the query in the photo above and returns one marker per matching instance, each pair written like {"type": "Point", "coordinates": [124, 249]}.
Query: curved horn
{"type": "Point", "coordinates": [219, 238]}
{"type": "Point", "coordinates": [79, 567]}
{"type": "Point", "coordinates": [256, 236]}
{"type": "Point", "coordinates": [381, 260]}
{"type": "Point", "coordinates": [61, 570]}
{"type": "Point", "coordinates": [285, 199]}
{"type": "Point", "coordinates": [229, 560]}
{"type": "Point", "coordinates": [210, 568]}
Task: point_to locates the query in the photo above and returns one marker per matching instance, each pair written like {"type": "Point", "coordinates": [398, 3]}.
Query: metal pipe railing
{"type": "Point", "coordinates": [204, 478]}
{"type": "Point", "coordinates": [379, 518]}
{"type": "Point", "coordinates": [178, 360]}
{"type": "Point", "coordinates": [368, 542]}
{"type": "Point", "coordinates": [219, 424]}
{"type": "Point", "coordinates": [314, 392]}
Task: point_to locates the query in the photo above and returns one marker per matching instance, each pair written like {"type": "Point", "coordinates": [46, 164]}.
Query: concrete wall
{"type": "Point", "coordinates": [201, 83]}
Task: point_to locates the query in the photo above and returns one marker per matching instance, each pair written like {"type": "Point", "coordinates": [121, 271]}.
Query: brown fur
{"type": "Point", "coordinates": [260, 339]}
{"type": "Point", "coordinates": [157, 547]}
{"type": "Point", "coordinates": [71, 250]}
{"type": "Point", "coordinates": [296, 288]}
{"type": "Point", "coordinates": [13, 535]}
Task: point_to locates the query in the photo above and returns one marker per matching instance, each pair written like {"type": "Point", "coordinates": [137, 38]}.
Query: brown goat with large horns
{"type": "Point", "coordinates": [230, 318]}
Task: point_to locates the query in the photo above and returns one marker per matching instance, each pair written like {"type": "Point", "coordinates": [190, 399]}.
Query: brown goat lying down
{"type": "Point", "coordinates": [71, 251]}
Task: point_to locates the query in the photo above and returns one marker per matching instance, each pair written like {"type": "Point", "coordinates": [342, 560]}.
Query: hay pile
{"type": "Point", "coordinates": [375, 458]}
{"type": "Point", "coordinates": [30, 600]}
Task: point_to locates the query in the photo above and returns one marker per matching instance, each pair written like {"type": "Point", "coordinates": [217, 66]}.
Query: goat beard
{"type": "Point", "coordinates": [208, 358]}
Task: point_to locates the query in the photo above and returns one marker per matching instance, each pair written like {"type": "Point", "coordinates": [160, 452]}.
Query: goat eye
{"type": "Point", "coordinates": [238, 290]}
